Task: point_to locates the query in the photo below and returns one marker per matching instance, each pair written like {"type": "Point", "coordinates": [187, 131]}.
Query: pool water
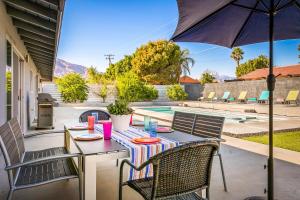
{"type": "Point", "coordinates": [229, 116]}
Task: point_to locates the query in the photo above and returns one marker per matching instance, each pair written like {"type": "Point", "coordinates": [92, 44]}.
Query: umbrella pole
{"type": "Point", "coordinates": [271, 87]}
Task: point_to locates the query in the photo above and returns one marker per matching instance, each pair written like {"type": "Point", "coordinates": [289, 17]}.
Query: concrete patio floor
{"type": "Point", "coordinates": [243, 169]}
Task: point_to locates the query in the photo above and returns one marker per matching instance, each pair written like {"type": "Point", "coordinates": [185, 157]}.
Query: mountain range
{"type": "Point", "coordinates": [63, 67]}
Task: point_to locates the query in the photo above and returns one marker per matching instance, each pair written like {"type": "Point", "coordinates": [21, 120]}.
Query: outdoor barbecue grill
{"type": "Point", "coordinates": [45, 110]}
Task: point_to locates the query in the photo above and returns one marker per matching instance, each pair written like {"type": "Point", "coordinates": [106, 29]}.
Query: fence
{"type": "Point", "coordinates": [94, 90]}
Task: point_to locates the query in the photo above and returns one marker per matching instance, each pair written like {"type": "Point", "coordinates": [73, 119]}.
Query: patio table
{"type": "Point", "coordinates": [92, 153]}
{"type": "Point", "coordinates": [101, 150]}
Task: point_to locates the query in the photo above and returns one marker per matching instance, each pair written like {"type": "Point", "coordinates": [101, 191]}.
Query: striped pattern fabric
{"type": "Point", "coordinates": [139, 153]}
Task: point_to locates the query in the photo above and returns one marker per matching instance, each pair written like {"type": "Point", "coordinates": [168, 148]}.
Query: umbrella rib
{"type": "Point", "coordinates": [205, 18]}
{"type": "Point", "coordinates": [286, 5]}
{"type": "Point", "coordinates": [278, 3]}
{"type": "Point", "coordinates": [297, 5]}
{"type": "Point", "coordinates": [249, 8]}
{"type": "Point", "coordinates": [245, 23]}
{"type": "Point", "coordinates": [266, 7]}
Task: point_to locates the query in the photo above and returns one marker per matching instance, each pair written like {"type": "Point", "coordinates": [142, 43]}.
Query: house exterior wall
{"type": "Point", "coordinates": [27, 94]}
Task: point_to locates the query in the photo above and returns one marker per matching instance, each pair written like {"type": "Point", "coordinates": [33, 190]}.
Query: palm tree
{"type": "Point", "coordinates": [186, 62]}
{"type": "Point", "coordinates": [237, 55]}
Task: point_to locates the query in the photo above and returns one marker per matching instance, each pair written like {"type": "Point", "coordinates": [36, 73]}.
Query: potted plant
{"type": "Point", "coordinates": [120, 114]}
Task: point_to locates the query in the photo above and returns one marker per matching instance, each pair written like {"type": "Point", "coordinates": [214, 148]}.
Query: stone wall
{"type": "Point", "coordinates": [254, 88]}
{"type": "Point", "coordinates": [94, 90]}
{"type": "Point", "coordinates": [194, 91]}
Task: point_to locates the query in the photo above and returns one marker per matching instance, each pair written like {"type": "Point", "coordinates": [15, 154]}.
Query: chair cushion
{"type": "Point", "coordinates": [144, 187]}
{"type": "Point", "coordinates": [47, 171]}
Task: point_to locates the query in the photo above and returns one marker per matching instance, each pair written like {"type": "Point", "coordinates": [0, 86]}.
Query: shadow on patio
{"type": "Point", "coordinates": [244, 172]}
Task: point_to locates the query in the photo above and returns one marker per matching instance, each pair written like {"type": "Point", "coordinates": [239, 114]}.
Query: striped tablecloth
{"type": "Point", "coordinates": [139, 153]}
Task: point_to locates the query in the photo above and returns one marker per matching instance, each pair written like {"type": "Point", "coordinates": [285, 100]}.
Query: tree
{"type": "Point", "coordinates": [131, 88]}
{"type": "Point", "coordinates": [237, 55]}
{"type": "Point", "coordinates": [119, 68]}
{"type": "Point", "coordinates": [186, 62]}
{"type": "Point", "coordinates": [252, 65]}
{"type": "Point", "coordinates": [93, 76]}
{"type": "Point", "coordinates": [72, 88]}
{"type": "Point", "coordinates": [103, 92]}
{"type": "Point", "coordinates": [206, 77]}
{"type": "Point", "coordinates": [158, 62]}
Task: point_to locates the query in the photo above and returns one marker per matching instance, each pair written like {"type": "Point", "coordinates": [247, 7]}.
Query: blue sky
{"type": "Point", "coordinates": [93, 28]}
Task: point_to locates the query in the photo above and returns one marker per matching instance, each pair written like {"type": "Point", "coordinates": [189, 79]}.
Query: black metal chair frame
{"type": "Point", "coordinates": [155, 162]}
{"type": "Point", "coordinates": [191, 130]}
{"type": "Point", "coordinates": [14, 170]}
{"type": "Point", "coordinates": [105, 115]}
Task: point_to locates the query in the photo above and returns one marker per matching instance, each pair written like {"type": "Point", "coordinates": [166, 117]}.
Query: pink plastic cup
{"type": "Point", "coordinates": [107, 130]}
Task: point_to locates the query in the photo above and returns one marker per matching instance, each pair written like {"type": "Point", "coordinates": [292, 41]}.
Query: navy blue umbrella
{"type": "Point", "coordinates": [233, 23]}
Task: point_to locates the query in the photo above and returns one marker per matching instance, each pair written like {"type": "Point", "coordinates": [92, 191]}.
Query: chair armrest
{"type": "Point", "coordinates": [50, 158]}
{"type": "Point", "coordinates": [131, 165]}
{"type": "Point", "coordinates": [43, 133]}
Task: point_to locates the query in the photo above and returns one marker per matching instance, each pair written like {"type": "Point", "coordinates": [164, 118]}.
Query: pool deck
{"type": "Point", "coordinates": [286, 117]}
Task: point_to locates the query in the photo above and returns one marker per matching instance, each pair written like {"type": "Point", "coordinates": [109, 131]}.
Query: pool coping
{"type": "Point", "coordinates": [164, 117]}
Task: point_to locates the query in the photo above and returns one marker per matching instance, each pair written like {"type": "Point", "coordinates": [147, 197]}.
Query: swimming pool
{"type": "Point", "coordinates": [229, 115]}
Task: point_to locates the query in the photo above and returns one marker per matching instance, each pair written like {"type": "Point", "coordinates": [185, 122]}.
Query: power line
{"type": "Point", "coordinates": [109, 57]}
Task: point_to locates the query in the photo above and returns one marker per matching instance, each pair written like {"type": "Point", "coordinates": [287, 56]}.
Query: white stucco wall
{"type": "Point", "coordinates": [9, 32]}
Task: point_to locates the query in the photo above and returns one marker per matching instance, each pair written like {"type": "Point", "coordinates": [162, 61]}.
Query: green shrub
{"type": "Point", "coordinates": [149, 93]}
{"type": "Point", "coordinates": [131, 88]}
{"type": "Point", "coordinates": [103, 92]}
{"type": "Point", "coordinates": [120, 107]}
{"type": "Point", "coordinates": [72, 88]}
{"type": "Point", "coordinates": [176, 93]}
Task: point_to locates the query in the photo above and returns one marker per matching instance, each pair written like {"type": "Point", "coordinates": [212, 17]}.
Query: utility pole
{"type": "Point", "coordinates": [109, 57]}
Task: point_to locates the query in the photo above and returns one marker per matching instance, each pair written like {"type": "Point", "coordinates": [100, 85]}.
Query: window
{"type": "Point", "coordinates": [8, 76]}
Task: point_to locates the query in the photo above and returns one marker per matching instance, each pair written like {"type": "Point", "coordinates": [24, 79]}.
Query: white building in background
{"type": "Point", "coordinates": [29, 36]}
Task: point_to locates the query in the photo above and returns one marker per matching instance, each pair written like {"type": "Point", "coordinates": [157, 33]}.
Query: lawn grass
{"type": "Point", "coordinates": [286, 140]}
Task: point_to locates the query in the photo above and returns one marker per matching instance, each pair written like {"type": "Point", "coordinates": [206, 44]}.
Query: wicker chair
{"type": "Point", "coordinates": [210, 127]}
{"type": "Point", "coordinates": [203, 126]}
{"type": "Point", "coordinates": [178, 173]}
{"type": "Point", "coordinates": [33, 168]}
{"type": "Point", "coordinates": [102, 115]}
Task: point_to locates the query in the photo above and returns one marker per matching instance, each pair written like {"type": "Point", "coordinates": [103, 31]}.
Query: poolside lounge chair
{"type": "Point", "coordinates": [200, 98]}
{"type": "Point", "coordinates": [242, 96]}
{"type": "Point", "coordinates": [264, 96]}
{"type": "Point", "coordinates": [211, 96]}
{"type": "Point", "coordinates": [177, 173]}
{"type": "Point", "coordinates": [28, 169]}
{"type": "Point", "coordinates": [292, 97]}
{"type": "Point", "coordinates": [225, 96]}
{"type": "Point", "coordinates": [231, 99]}
{"type": "Point", "coordinates": [215, 99]}
{"type": "Point", "coordinates": [252, 100]}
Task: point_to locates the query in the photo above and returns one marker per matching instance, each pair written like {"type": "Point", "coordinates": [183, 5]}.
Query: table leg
{"type": "Point", "coordinates": [89, 178]}
{"type": "Point", "coordinates": [67, 140]}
